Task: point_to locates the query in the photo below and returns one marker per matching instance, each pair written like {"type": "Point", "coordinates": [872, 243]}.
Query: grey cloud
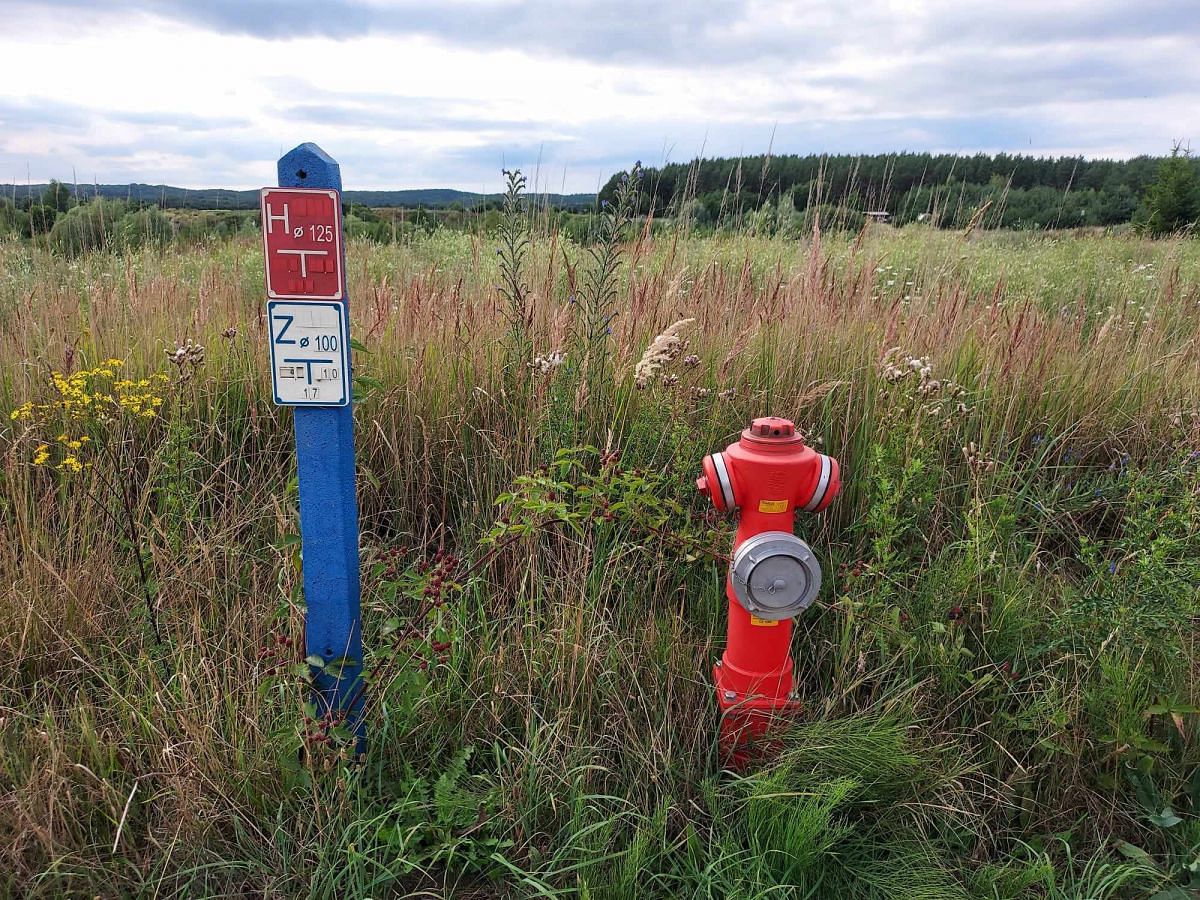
{"type": "Point", "coordinates": [16, 114]}
{"type": "Point", "coordinates": [180, 121]}
{"type": "Point", "coordinates": [963, 80]}
{"type": "Point", "coordinates": [399, 114]}
{"type": "Point", "coordinates": [699, 33]}
{"type": "Point", "coordinates": [1080, 23]}
{"type": "Point", "coordinates": [56, 114]}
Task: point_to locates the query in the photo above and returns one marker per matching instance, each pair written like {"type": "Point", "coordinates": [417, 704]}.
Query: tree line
{"type": "Point", "coordinates": [945, 190]}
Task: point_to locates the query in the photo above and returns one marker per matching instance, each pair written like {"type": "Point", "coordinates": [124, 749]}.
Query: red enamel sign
{"type": "Point", "coordinates": [302, 240]}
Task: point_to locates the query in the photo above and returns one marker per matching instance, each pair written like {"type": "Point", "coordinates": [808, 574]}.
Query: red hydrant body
{"type": "Point", "coordinates": [767, 475]}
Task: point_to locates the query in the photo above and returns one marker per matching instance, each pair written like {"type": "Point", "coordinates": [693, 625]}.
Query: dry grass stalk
{"type": "Point", "coordinates": [976, 219]}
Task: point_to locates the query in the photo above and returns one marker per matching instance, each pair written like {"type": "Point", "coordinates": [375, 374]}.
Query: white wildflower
{"type": "Point", "coordinates": [661, 351]}
{"type": "Point", "coordinates": [544, 365]}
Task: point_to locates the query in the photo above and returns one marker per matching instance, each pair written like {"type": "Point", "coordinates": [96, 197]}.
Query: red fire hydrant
{"type": "Point", "coordinates": [774, 576]}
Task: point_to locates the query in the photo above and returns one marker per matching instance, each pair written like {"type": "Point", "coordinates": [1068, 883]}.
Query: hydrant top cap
{"type": "Point", "coordinates": [773, 428]}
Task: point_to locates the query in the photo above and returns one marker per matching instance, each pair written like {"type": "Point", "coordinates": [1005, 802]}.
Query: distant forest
{"type": "Point", "coordinates": [778, 195]}
{"type": "Point", "coordinates": [944, 189]}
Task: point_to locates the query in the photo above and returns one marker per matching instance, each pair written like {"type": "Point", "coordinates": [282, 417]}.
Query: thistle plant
{"type": "Point", "coordinates": [96, 434]}
{"type": "Point", "coordinates": [517, 310]}
{"type": "Point", "coordinates": [598, 292]}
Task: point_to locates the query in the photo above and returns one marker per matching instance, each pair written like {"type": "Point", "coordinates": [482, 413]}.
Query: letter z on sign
{"type": "Point", "coordinates": [302, 241]}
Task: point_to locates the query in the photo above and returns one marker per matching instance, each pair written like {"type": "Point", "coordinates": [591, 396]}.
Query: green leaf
{"type": "Point", "coordinates": [356, 344]}
{"type": "Point", "coordinates": [317, 662]}
{"type": "Point", "coordinates": [1161, 709]}
{"type": "Point", "coordinates": [1175, 892]}
{"type": "Point", "coordinates": [1143, 787]}
{"type": "Point", "coordinates": [1129, 851]}
{"type": "Point", "coordinates": [1165, 818]}
{"type": "Point", "coordinates": [370, 476]}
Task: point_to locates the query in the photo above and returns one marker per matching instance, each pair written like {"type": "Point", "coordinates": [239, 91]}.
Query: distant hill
{"type": "Point", "coordinates": [219, 198]}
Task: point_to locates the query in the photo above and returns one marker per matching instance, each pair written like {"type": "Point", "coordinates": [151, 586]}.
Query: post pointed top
{"type": "Point", "coordinates": [309, 166]}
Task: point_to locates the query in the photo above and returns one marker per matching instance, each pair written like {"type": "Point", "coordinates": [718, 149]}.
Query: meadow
{"type": "Point", "coordinates": [999, 679]}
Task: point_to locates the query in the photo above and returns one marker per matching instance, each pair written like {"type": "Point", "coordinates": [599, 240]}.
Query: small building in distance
{"type": "Point", "coordinates": [881, 216]}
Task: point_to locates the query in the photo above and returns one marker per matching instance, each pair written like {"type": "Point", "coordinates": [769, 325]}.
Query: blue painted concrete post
{"type": "Point", "coordinates": [329, 508]}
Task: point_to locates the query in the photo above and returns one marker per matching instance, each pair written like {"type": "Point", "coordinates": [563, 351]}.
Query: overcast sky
{"type": "Point", "coordinates": [407, 93]}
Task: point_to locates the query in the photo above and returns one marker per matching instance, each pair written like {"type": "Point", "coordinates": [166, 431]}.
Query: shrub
{"type": "Point", "coordinates": [146, 227]}
{"type": "Point", "coordinates": [40, 220]}
{"type": "Point", "coordinates": [831, 218]}
{"type": "Point", "coordinates": [93, 226]}
{"type": "Point", "coordinates": [12, 220]}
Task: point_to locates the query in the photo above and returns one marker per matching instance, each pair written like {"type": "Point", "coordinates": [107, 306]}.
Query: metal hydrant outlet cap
{"type": "Point", "coordinates": [775, 575]}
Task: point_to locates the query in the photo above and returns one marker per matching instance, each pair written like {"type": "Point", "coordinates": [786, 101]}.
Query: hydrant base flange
{"type": "Point", "coordinates": [748, 720]}
{"type": "Point", "coordinates": [738, 685]}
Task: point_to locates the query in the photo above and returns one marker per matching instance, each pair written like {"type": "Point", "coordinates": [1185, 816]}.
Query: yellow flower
{"type": "Point", "coordinates": [71, 464]}
{"type": "Point", "coordinates": [113, 363]}
{"type": "Point", "coordinates": [41, 455]}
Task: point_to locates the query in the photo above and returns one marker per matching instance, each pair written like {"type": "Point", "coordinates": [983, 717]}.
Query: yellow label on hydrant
{"type": "Point", "coordinates": [772, 506]}
{"type": "Point", "coordinates": [765, 623]}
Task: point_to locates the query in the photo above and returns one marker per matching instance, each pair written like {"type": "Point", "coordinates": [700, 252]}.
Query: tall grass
{"type": "Point", "coordinates": [998, 682]}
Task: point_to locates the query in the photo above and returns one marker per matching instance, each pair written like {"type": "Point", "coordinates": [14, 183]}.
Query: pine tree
{"type": "Point", "coordinates": [1173, 200]}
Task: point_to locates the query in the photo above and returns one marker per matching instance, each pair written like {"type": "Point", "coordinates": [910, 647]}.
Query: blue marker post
{"type": "Point", "coordinates": [329, 507]}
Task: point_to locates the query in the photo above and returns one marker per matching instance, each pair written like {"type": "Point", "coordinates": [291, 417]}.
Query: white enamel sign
{"type": "Point", "coordinates": [310, 352]}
